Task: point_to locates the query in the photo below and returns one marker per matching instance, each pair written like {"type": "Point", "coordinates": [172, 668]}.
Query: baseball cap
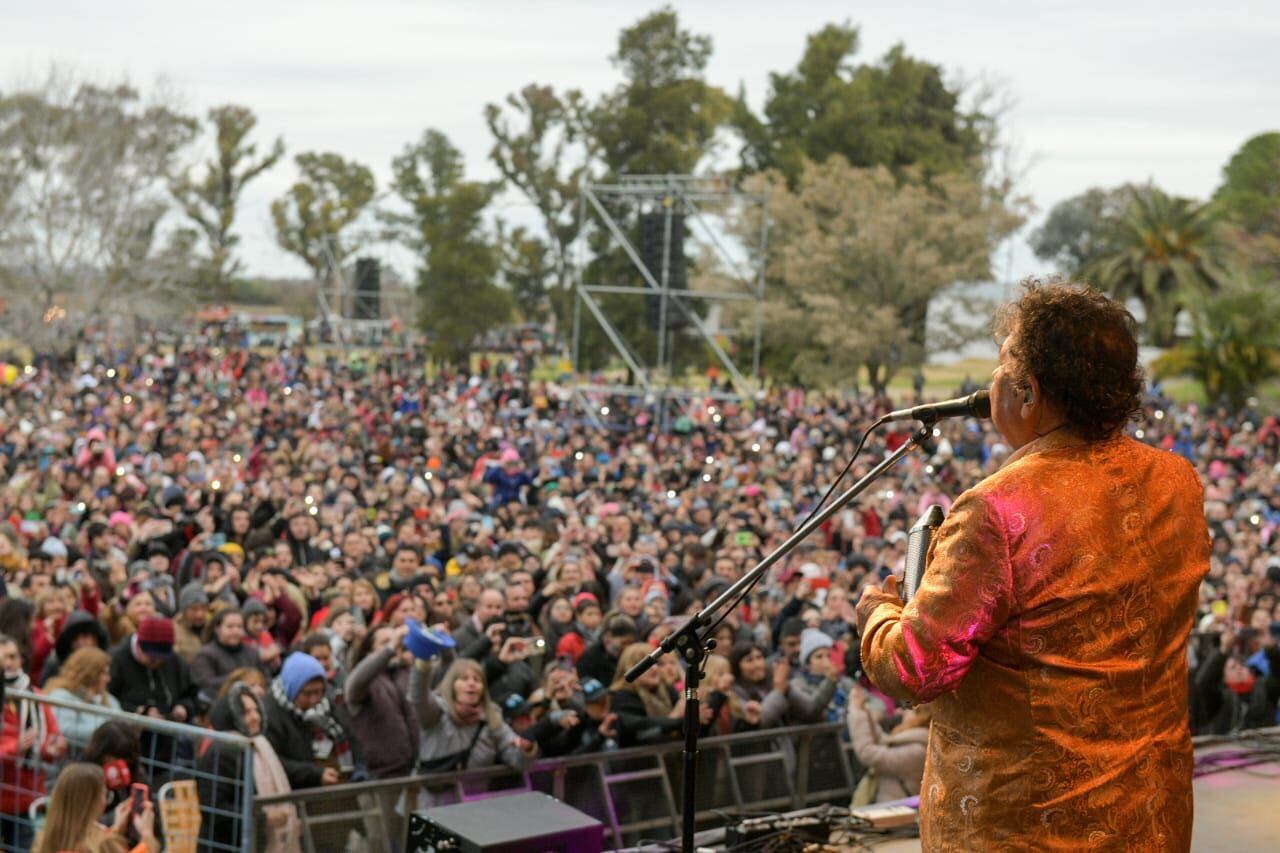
{"type": "Point", "coordinates": [593, 690]}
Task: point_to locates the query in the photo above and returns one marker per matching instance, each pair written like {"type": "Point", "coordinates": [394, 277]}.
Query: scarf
{"type": "Point", "coordinates": [27, 712]}
{"type": "Point", "coordinates": [320, 717]}
{"type": "Point", "coordinates": [657, 703]}
{"type": "Point", "coordinates": [468, 715]}
{"type": "Point", "coordinates": [284, 831]}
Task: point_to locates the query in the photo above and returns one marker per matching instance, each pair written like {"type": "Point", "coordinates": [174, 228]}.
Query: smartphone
{"type": "Point", "coordinates": [140, 793]}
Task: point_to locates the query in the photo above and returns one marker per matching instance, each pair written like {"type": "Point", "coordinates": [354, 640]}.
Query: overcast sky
{"type": "Point", "coordinates": [1104, 92]}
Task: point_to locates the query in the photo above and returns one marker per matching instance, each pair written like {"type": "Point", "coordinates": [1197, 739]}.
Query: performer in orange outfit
{"type": "Point", "coordinates": [1050, 627]}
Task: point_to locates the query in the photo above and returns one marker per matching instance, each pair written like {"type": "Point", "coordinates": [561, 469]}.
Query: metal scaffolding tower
{"type": "Point", "coordinates": [683, 201]}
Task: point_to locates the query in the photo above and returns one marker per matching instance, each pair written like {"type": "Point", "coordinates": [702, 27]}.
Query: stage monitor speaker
{"type": "Point", "coordinates": [367, 304]}
{"type": "Point", "coordinates": [528, 823]}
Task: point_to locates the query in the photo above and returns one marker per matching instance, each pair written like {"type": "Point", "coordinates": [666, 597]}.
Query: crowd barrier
{"type": "Point", "coordinates": [634, 792]}
{"type": "Point", "coordinates": [220, 763]}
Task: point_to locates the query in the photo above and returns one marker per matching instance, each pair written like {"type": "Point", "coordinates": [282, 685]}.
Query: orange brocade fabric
{"type": "Point", "coordinates": [1050, 632]}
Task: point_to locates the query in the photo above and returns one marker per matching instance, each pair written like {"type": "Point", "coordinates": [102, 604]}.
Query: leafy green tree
{"type": "Point", "coordinates": [664, 116]}
{"type": "Point", "coordinates": [526, 266]}
{"type": "Point", "coordinates": [861, 253]}
{"type": "Point", "coordinates": [543, 150]}
{"type": "Point", "coordinates": [1235, 344]}
{"type": "Point", "coordinates": [662, 119]}
{"type": "Point", "coordinates": [1250, 191]}
{"type": "Point", "coordinates": [1164, 253]}
{"type": "Point", "coordinates": [1084, 228]}
{"type": "Point", "coordinates": [84, 171]}
{"type": "Point", "coordinates": [444, 225]}
{"type": "Point", "coordinates": [310, 219]}
{"type": "Point", "coordinates": [1249, 201]}
{"type": "Point", "coordinates": [211, 200]}
{"type": "Point", "coordinates": [897, 113]}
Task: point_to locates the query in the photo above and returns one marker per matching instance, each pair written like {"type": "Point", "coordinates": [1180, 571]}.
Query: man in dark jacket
{"type": "Point", "coordinates": [600, 660]}
{"type": "Point", "coordinates": [587, 726]}
{"type": "Point", "coordinates": [148, 678]}
{"type": "Point", "coordinates": [481, 633]}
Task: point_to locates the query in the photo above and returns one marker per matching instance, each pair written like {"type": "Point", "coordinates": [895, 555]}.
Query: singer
{"type": "Point", "coordinates": [1050, 627]}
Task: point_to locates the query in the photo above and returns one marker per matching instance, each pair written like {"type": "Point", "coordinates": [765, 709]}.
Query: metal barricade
{"type": "Point", "coordinates": [633, 792]}
{"type": "Point", "coordinates": [220, 763]}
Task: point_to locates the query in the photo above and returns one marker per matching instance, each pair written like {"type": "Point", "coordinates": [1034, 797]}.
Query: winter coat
{"type": "Point", "coordinates": [773, 704]}
{"type": "Point", "coordinates": [597, 663]}
{"type": "Point", "coordinates": [23, 780]}
{"type": "Point", "coordinates": [809, 697]}
{"type": "Point", "coordinates": [443, 736]}
{"type": "Point", "coordinates": [214, 662]}
{"type": "Point", "coordinates": [636, 727]}
{"type": "Point", "coordinates": [292, 740]}
{"type": "Point", "coordinates": [898, 759]}
{"type": "Point", "coordinates": [382, 717]}
{"type": "Point", "coordinates": [78, 726]}
{"type": "Point", "coordinates": [186, 640]}
{"type": "Point", "coordinates": [163, 688]}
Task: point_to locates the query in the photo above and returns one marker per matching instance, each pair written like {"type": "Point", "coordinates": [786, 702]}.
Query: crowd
{"type": "Point", "coordinates": [246, 541]}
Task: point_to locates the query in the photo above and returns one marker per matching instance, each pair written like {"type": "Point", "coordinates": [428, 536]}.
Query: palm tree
{"type": "Point", "coordinates": [1235, 344]}
{"type": "Point", "coordinates": [1165, 253]}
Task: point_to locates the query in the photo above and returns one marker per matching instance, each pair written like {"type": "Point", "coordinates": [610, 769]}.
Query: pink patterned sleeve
{"type": "Point", "coordinates": [924, 650]}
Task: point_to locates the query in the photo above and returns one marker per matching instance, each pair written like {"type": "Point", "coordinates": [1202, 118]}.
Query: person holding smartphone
{"type": "Point", "coordinates": [71, 825]}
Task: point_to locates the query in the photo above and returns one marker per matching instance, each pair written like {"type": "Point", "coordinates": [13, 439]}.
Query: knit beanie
{"type": "Point", "coordinates": [811, 639]}
{"type": "Point", "coordinates": [191, 595]}
{"type": "Point", "coordinates": [299, 668]}
{"type": "Point", "coordinates": [155, 636]}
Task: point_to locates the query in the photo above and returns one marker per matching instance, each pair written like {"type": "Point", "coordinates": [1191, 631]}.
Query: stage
{"type": "Point", "coordinates": [1237, 801]}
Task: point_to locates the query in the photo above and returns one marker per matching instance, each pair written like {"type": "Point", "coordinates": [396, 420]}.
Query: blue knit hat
{"type": "Point", "coordinates": [299, 668]}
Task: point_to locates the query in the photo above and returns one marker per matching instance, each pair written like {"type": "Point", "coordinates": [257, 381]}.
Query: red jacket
{"type": "Point", "coordinates": [20, 782]}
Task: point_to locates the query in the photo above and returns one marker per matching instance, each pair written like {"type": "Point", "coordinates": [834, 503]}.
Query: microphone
{"type": "Point", "coordinates": [976, 405]}
{"type": "Point", "coordinates": [918, 539]}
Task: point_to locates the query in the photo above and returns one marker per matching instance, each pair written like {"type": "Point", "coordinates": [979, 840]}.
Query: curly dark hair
{"type": "Point", "coordinates": [1082, 348]}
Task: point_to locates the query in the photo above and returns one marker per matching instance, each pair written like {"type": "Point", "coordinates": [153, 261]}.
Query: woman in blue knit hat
{"type": "Point", "coordinates": [302, 726]}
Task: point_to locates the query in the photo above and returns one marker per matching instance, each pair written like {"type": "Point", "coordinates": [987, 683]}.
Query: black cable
{"type": "Point", "coordinates": [737, 602]}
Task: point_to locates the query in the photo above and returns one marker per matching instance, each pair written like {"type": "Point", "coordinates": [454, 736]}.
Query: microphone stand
{"type": "Point", "coordinates": [693, 646]}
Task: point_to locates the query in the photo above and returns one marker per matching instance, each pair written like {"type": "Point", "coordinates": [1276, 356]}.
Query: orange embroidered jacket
{"type": "Point", "coordinates": [1050, 631]}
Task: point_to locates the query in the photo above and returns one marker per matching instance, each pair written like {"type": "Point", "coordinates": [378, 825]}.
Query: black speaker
{"type": "Point", "coordinates": [652, 232]}
{"type": "Point", "coordinates": [368, 296]}
{"type": "Point", "coordinates": [518, 823]}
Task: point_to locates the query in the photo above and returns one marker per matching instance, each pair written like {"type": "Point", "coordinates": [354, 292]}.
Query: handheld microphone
{"type": "Point", "coordinates": [976, 405]}
{"type": "Point", "coordinates": [918, 539]}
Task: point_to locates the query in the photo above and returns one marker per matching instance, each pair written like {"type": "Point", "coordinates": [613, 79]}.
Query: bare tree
{"type": "Point", "coordinates": [82, 201]}
{"type": "Point", "coordinates": [211, 200]}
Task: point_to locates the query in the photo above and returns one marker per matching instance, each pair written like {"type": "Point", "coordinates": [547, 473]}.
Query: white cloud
{"type": "Point", "coordinates": [1106, 92]}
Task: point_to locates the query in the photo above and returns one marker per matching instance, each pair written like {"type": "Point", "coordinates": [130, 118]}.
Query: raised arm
{"type": "Point", "coordinates": [426, 707]}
